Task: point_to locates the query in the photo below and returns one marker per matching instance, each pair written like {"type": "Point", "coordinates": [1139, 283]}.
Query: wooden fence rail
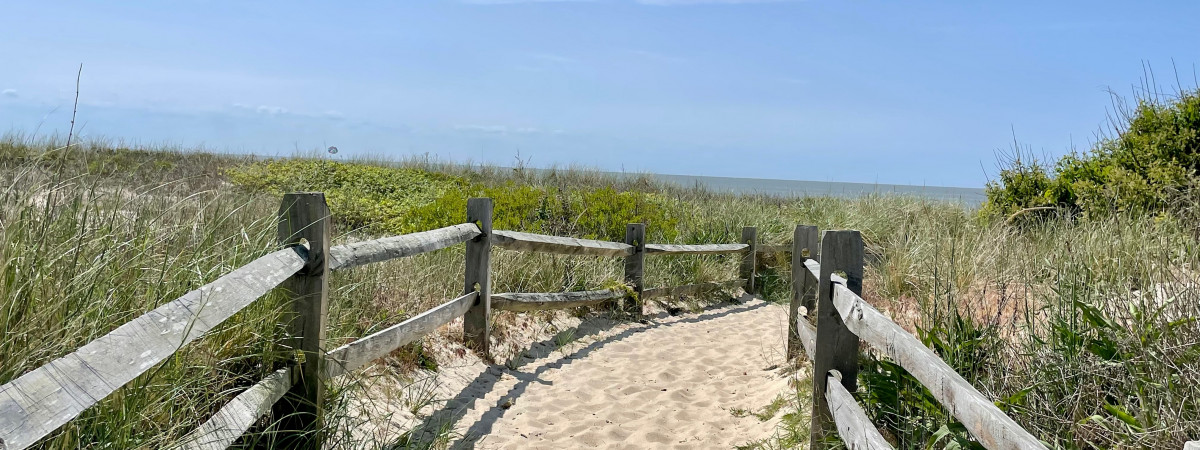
{"type": "Point", "coordinates": [518, 302]}
{"type": "Point", "coordinates": [379, 250]}
{"type": "Point", "coordinates": [40, 401]}
{"type": "Point", "coordinates": [530, 242]}
{"type": "Point", "coordinates": [35, 404]}
{"type": "Point", "coordinates": [237, 416]}
{"type": "Point", "coordinates": [360, 352]}
{"type": "Point", "coordinates": [709, 249]}
{"type": "Point", "coordinates": [843, 317]}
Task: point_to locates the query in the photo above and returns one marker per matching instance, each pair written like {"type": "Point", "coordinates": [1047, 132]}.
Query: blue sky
{"type": "Point", "coordinates": [920, 92]}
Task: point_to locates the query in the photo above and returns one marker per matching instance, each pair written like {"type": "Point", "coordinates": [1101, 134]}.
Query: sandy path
{"type": "Point", "coordinates": [668, 383]}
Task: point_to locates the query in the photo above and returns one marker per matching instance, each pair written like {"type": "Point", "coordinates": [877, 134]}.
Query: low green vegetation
{"type": "Point", "coordinates": [397, 200]}
{"type": "Point", "coordinates": [1083, 327]}
{"type": "Point", "coordinates": [1150, 165]}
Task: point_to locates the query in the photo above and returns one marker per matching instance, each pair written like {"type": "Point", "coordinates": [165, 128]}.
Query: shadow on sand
{"type": "Point", "coordinates": [425, 434]}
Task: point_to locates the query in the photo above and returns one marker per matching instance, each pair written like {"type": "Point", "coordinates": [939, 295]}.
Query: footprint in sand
{"type": "Point", "coordinates": [614, 396]}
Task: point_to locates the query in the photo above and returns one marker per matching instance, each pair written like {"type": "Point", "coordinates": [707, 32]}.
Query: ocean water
{"type": "Point", "coordinates": [970, 197]}
{"type": "Point", "coordinates": [967, 197]}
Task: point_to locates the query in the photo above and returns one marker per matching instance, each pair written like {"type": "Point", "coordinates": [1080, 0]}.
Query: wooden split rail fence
{"type": "Point", "coordinates": [38, 402]}
{"type": "Point", "coordinates": [843, 318]}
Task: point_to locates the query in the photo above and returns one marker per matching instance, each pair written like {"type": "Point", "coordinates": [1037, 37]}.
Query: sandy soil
{"type": "Point", "coordinates": [667, 382]}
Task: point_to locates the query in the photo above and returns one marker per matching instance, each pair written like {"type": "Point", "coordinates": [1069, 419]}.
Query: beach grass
{"type": "Point", "coordinates": [1084, 331]}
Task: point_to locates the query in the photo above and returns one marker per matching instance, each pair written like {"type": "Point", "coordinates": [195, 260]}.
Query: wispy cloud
{"type": "Point", "coordinates": [552, 58]}
{"type": "Point", "coordinates": [262, 109]}
{"type": "Point", "coordinates": [643, 2]}
{"type": "Point", "coordinates": [10, 93]}
{"type": "Point", "coordinates": [513, 2]}
{"type": "Point", "coordinates": [279, 111]}
{"type": "Point", "coordinates": [504, 129]}
{"type": "Point", "coordinates": [541, 62]}
{"type": "Point", "coordinates": [708, 2]}
{"type": "Point", "coordinates": [657, 56]}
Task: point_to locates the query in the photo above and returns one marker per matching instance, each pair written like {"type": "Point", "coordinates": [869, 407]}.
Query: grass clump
{"type": "Point", "coordinates": [1085, 331]}
{"type": "Point", "coordinates": [1150, 165]}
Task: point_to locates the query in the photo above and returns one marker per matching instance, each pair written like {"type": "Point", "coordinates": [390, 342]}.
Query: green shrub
{"type": "Point", "coordinates": [361, 196]}
{"type": "Point", "coordinates": [398, 200]}
{"type": "Point", "coordinates": [587, 213]}
{"type": "Point", "coordinates": [1145, 167]}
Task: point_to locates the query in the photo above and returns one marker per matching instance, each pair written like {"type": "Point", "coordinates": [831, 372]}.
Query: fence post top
{"type": "Point", "coordinates": [312, 195]}
{"type": "Point", "coordinates": [842, 231]}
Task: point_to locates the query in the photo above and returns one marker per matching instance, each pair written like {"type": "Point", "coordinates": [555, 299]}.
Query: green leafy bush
{"type": "Point", "coordinates": [360, 195]}
{"type": "Point", "coordinates": [1153, 158]}
{"type": "Point", "coordinates": [404, 200]}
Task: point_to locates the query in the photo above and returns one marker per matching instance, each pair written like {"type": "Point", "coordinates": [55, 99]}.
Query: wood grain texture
{"type": "Point", "coordinates": [523, 302]}
{"type": "Point", "coordinates": [814, 271]}
{"type": "Point", "coordinates": [37, 403]}
{"type": "Point", "coordinates": [702, 249]}
{"type": "Point", "coordinates": [377, 345]}
{"type": "Point", "coordinates": [692, 289]}
{"type": "Point", "coordinates": [378, 250]}
{"type": "Point", "coordinates": [530, 242]}
{"type": "Point", "coordinates": [477, 323]}
{"type": "Point", "coordinates": [990, 426]}
{"type": "Point", "coordinates": [304, 216]}
{"type": "Point", "coordinates": [804, 290]}
{"type": "Point", "coordinates": [749, 269]}
{"type": "Point", "coordinates": [237, 416]}
{"type": "Point", "coordinates": [836, 346]}
{"type": "Point", "coordinates": [808, 335]}
{"type": "Point", "coordinates": [854, 427]}
{"type": "Point", "coordinates": [635, 268]}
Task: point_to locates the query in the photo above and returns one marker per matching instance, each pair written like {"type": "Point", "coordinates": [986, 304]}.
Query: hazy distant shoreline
{"type": "Point", "coordinates": [800, 188]}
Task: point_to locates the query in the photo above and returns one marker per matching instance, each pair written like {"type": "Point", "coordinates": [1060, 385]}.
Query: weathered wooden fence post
{"type": "Point", "coordinates": [750, 237]}
{"type": "Point", "coordinates": [635, 235]}
{"type": "Point", "coordinates": [836, 346]}
{"type": "Point", "coordinates": [804, 292]}
{"type": "Point", "coordinates": [304, 217]}
{"type": "Point", "coordinates": [476, 323]}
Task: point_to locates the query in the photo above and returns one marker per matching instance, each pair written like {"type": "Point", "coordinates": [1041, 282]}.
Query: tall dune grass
{"type": "Point", "coordinates": [1085, 332]}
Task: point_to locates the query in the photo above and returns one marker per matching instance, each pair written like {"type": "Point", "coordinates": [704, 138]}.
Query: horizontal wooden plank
{"type": "Point", "coordinates": [358, 353]}
{"type": "Point", "coordinates": [523, 302]}
{"type": "Point", "coordinates": [808, 336]}
{"type": "Point", "coordinates": [814, 269]}
{"type": "Point", "coordinates": [38, 402]}
{"type": "Point", "coordinates": [378, 250]}
{"type": "Point", "coordinates": [705, 249]}
{"type": "Point", "coordinates": [990, 426]}
{"type": "Point", "coordinates": [692, 289]}
{"type": "Point", "coordinates": [237, 416]}
{"type": "Point", "coordinates": [530, 242]}
{"type": "Point", "coordinates": [854, 427]}
{"type": "Point", "coordinates": [780, 248]}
